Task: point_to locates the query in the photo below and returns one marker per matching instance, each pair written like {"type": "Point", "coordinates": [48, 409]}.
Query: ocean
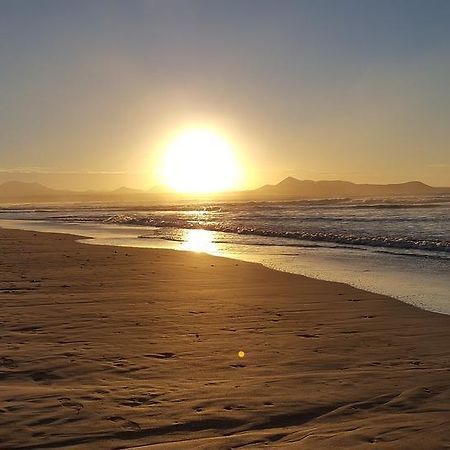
{"type": "Point", "coordinates": [399, 247]}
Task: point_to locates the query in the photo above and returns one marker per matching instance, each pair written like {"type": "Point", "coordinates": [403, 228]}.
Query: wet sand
{"type": "Point", "coordinates": [104, 347]}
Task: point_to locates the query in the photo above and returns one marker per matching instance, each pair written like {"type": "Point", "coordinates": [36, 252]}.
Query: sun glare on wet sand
{"type": "Point", "coordinates": [199, 241]}
{"type": "Point", "coordinates": [200, 161]}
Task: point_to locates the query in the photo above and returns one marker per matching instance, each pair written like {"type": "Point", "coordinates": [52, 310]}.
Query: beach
{"type": "Point", "coordinates": [395, 247]}
{"type": "Point", "coordinates": [113, 347]}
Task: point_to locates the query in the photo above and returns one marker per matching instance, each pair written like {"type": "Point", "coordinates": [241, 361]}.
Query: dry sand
{"type": "Point", "coordinates": [104, 347]}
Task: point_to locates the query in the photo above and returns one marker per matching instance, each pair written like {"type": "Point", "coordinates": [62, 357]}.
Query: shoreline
{"type": "Point", "coordinates": [115, 347]}
{"type": "Point", "coordinates": [425, 287]}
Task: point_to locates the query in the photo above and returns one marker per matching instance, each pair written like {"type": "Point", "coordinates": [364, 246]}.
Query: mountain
{"type": "Point", "coordinates": [159, 189]}
{"type": "Point", "coordinates": [292, 188]}
{"type": "Point", "coordinates": [19, 189]}
{"type": "Point", "coordinates": [123, 190]}
{"type": "Point", "coordinates": [22, 192]}
{"type": "Point", "coordinates": [288, 189]}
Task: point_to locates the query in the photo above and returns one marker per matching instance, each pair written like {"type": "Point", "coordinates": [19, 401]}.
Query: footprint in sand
{"type": "Point", "coordinates": [162, 355]}
{"type": "Point", "coordinates": [9, 363]}
{"type": "Point", "coordinates": [232, 407]}
{"type": "Point", "coordinates": [43, 377]}
{"type": "Point", "coordinates": [140, 400]}
{"type": "Point", "coordinates": [237, 366]}
{"type": "Point", "coordinates": [124, 423]}
{"type": "Point", "coordinates": [69, 403]}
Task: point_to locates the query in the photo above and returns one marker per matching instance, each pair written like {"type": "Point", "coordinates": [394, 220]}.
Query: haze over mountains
{"type": "Point", "coordinates": [288, 189]}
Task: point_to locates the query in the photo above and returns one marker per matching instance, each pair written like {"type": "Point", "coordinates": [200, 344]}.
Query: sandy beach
{"type": "Point", "coordinates": [106, 347]}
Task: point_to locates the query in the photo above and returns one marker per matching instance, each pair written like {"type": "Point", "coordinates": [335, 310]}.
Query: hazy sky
{"type": "Point", "coordinates": [356, 90]}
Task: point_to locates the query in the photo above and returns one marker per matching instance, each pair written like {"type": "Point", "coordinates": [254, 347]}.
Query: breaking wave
{"type": "Point", "coordinates": [405, 242]}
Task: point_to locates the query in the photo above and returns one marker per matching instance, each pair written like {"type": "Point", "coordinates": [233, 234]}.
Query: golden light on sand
{"type": "Point", "coordinates": [200, 241]}
{"type": "Point", "coordinates": [200, 161]}
{"type": "Point", "coordinates": [241, 354]}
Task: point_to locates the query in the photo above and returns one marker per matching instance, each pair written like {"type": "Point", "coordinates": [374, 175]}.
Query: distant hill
{"type": "Point", "coordinates": [22, 192]}
{"type": "Point", "coordinates": [159, 189]}
{"type": "Point", "coordinates": [123, 190]}
{"type": "Point", "coordinates": [292, 188]}
{"type": "Point", "coordinates": [288, 189]}
{"type": "Point", "coordinates": [19, 189]}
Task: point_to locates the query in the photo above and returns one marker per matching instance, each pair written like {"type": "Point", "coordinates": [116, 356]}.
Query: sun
{"type": "Point", "coordinates": [200, 161]}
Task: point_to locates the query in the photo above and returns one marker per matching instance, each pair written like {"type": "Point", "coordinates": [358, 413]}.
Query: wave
{"type": "Point", "coordinates": [398, 205]}
{"type": "Point", "coordinates": [406, 242]}
{"type": "Point", "coordinates": [409, 202]}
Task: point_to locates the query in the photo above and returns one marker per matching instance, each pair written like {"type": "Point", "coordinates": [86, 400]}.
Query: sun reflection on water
{"type": "Point", "coordinates": [200, 241]}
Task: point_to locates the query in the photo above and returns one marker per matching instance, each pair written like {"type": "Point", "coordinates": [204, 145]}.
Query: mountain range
{"type": "Point", "coordinates": [288, 189]}
{"type": "Point", "coordinates": [292, 188]}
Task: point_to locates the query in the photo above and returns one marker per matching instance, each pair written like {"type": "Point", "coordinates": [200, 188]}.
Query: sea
{"type": "Point", "coordinates": [399, 247]}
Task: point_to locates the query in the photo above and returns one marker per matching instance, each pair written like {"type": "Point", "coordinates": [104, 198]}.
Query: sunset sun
{"type": "Point", "coordinates": [200, 161]}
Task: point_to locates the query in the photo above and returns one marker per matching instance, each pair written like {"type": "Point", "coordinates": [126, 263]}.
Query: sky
{"type": "Point", "coordinates": [358, 90]}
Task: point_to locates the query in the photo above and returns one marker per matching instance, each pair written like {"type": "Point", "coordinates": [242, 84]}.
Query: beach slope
{"type": "Point", "coordinates": [105, 347]}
